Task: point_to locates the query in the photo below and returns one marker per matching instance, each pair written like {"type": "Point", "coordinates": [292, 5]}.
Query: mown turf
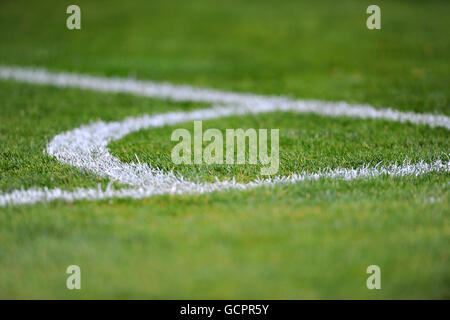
{"type": "Point", "coordinates": [311, 240]}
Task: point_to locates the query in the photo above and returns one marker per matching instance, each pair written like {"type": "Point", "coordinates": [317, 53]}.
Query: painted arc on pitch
{"type": "Point", "coordinates": [86, 147]}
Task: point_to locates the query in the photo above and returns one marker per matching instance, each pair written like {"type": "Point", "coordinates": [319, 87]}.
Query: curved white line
{"type": "Point", "coordinates": [86, 147]}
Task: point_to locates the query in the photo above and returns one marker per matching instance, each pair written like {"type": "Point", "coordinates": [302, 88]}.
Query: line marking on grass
{"type": "Point", "coordinates": [86, 146]}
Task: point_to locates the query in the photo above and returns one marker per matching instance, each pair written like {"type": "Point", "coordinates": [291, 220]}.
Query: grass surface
{"type": "Point", "coordinates": [309, 240]}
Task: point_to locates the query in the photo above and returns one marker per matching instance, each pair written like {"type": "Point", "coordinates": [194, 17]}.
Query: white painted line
{"type": "Point", "coordinates": [171, 185]}
{"type": "Point", "coordinates": [257, 103]}
{"type": "Point", "coordinates": [86, 147]}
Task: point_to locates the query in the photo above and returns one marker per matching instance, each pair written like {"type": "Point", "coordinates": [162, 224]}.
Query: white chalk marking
{"type": "Point", "coordinates": [86, 147]}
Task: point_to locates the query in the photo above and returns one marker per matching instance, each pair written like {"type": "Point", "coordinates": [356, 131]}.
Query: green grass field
{"type": "Point", "coordinates": [306, 240]}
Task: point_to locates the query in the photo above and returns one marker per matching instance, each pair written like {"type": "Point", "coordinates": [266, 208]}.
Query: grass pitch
{"type": "Point", "coordinates": [309, 240]}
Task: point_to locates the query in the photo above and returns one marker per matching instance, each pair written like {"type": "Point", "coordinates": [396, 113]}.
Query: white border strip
{"type": "Point", "coordinates": [86, 147]}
